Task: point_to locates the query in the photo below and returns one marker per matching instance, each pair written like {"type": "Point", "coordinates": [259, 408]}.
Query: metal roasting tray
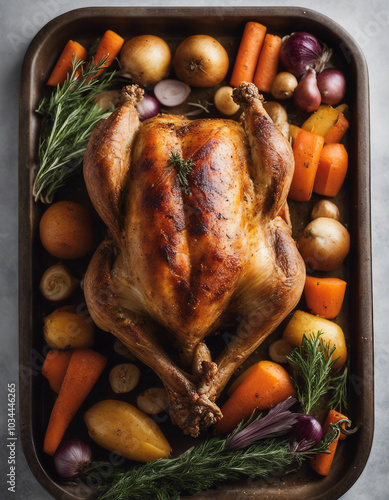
{"type": "Point", "coordinates": [174, 24]}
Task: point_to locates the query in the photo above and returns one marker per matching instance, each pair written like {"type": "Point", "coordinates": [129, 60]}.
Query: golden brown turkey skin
{"type": "Point", "coordinates": [183, 250]}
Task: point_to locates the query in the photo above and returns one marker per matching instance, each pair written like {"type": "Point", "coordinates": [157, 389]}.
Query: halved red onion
{"type": "Point", "coordinates": [171, 92]}
{"type": "Point", "coordinates": [148, 107]}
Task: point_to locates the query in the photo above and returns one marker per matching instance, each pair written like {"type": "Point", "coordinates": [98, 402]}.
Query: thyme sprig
{"type": "Point", "coordinates": [68, 118]}
{"type": "Point", "coordinates": [183, 169]}
{"type": "Point", "coordinates": [311, 363]}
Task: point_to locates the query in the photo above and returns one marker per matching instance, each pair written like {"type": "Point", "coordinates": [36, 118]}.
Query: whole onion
{"type": "Point", "coordinates": [307, 431]}
{"type": "Point", "coordinates": [306, 95]}
{"type": "Point", "coordinates": [332, 86]}
{"type": "Point", "coordinates": [148, 107]}
{"type": "Point", "coordinates": [72, 458]}
{"type": "Point", "coordinates": [302, 49]}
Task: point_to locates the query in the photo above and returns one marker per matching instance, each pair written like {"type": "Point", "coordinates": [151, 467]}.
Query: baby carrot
{"type": "Point", "coordinates": [324, 296]}
{"type": "Point", "coordinates": [266, 385]}
{"type": "Point", "coordinates": [248, 53]}
{"type": "Point", "coordinates": [267, 63]}
{"type": "Point", "coordinates": [55, 366]}
{"type": "Point", "coordinates": [306, 149]}
{"type": "Point", "coordinates": [64, 63]}
{"type": "Point", "coordinates": [109, 46]}
{"type": "Point", "coordinates": [332, 170]}
{"type": "Point", "coordinates": [85, 367]}
{"type": "Point", "coordinates": [321, 463]}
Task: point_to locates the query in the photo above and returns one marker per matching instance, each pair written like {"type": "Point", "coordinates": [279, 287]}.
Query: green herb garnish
{"type": "Point", "coordinates": [204, 465]}
{"type": "Point", "coordinates": [311, 363]}
{"type": "Point", "coordinates": [338, 400]}
{"type": "Point", "coordinates": [68, 119]}
{"type": "Point", "coordinates": [183, 168]}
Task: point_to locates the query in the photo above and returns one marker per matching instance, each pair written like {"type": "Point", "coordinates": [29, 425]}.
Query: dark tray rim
{"type": "Point", "coordinates": [25, 204]}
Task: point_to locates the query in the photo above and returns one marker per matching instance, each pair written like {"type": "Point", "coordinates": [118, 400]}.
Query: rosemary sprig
{"type": "Point", "coordinates": [183, 168]}
{"type": "Point", "coordinates": [338, 387]}
{"type": "Point", "coordinates": [311, 363]}
{"type": "Point", "coordinates": [213, 461]}
{"type": "Point", "coordinates": [68, 118]}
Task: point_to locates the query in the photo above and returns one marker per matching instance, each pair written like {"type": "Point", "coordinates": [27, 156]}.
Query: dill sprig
{"type": "Point", "coordinates": [183, 169]}
{"type": "Point", "coordinates": [68, 119]}
{"type": "Point", "coordinates": [338, 388]}
{"type": "Point", "coordinates": [311, 363]}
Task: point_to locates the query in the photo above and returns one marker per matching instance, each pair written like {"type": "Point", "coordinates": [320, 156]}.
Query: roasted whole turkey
{"type": "Point", "coordinates": [198, 233]}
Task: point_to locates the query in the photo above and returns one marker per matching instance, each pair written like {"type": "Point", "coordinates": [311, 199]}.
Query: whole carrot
{"type": "Point", "coordinates": [321, 463]}
{"type": "Point", "coordinates": [108, 47]}
{"type": "Point", "coordinates": [306, 149]}
{"type": "Point", "coordinates": [267, 63]}
{"type": "Point", "coordinates": [85, 367]}
{"type": "Point", "coordinates": [324, 296]}
{"type": "Point", "coordinates": [332, 170]}
{"type": "Point", "coordinates": [64, 63]}
{"type": "Point", "coordinates": [248, 53]}
{"type": "Point", "coordinates": [54, 367]}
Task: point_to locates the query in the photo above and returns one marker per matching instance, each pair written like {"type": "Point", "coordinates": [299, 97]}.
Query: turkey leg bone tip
{"type": "Point", "coordinates": [195, 235]}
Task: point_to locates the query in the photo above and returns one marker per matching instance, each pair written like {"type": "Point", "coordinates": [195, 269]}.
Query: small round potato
{"type": "Point", "coordinates": [325, 208]}
{"type": "Point", "coordinates": [324, 244]}
{"type": "Point", "coordinates": [64, 328]}
{"type": "Point", "coordinates": [224, 102]}
{"type": "Point", "coordinates": [66, 230]}
{"type": "Point", "coordinates": [305, 323]}
{"type": "Point", "coordinates": [120, 427]}
{"type": "Point", "coordinates": [283, 85]}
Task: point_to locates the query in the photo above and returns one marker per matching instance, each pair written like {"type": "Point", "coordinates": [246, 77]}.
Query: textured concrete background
{"type": "Point", "coordinates": [368, 23]}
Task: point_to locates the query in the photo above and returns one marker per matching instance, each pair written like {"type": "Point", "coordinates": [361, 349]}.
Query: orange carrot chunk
{"type": "Point", "coordinates": [324, 296]}
{"type": "Point", "coordinates": [332, 170]}
{"type": "Point", "coordinates": [321, 463]}
{"type": "Point", "coordinates": [306, 149]}
{"type": "Point", "coordinates": [54, 367]}
{"type": "Point", "coordinates": [248, 53]}
{"type": "Point", "coordinates": [337, 131]}
{"type": "Point", "coordinates": [85, 367]}
{"type": "Point", "coordinates": [109, 46]}
{"type": "Point", "coordinates": [64, 63]}
{"type": "Point", "coordinates": [267, 384]}
{"type": "Point", "coordinates": [267, 63]}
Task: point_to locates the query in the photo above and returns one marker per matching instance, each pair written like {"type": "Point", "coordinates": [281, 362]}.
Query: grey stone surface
{"type": "Point", "coordinates": [368, 23]}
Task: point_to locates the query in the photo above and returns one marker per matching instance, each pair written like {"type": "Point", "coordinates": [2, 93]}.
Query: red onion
{"type": "Point", "coordinates": [171, 92]}
{"type": "Point", "coordinates": [302, 49]}
{"type": "Point", "coordinates": [148, 107]}
{"type": "Point", "coordinates": [306, 432]}
{"type": "Point", "coordinates": [72, 458]}
{"type": "Point", "coordinates": [332, 86]}
{"type": "Point", "coordinates": [306, 95]}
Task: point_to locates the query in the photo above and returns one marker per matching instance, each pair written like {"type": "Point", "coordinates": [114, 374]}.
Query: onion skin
{"type": "Point", "coordinates": [307, 428]}
{"type": "Point", "coordinates": [306, 95]}
{"type": "Point", "coordinates": [148, 107]}
{"type": "Point", "coordinates": [332, 86]}
{"type": "Point", "coordinates": [298, 51]}
{"type": "Point", "coordinates": [72, 458]}
{"type": "Point", "coordinates": [201, 61]}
